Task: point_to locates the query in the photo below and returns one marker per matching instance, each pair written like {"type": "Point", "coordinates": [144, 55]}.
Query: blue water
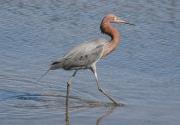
{"type": "Point", "coordinates": [143, 73]}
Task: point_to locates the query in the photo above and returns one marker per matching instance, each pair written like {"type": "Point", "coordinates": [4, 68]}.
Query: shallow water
{"type": "Point", "coordinates": [143, 73]}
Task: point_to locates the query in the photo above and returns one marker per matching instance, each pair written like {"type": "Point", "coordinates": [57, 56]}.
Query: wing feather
{"type": "Point", "coordinates": [83, 55]}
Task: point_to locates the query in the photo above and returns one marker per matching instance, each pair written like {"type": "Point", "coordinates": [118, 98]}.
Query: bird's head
{"type": "Point", "coordinates": [111, 18]}
{"type": "Point", "coordinates": [115, 19]}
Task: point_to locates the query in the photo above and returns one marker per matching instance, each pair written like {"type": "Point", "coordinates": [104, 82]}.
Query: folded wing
{"type": "Point", "coordinates": [81, 57]}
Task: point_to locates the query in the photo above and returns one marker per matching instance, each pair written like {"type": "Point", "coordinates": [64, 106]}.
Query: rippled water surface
{"type": "Point", "coordinates": [143, 73]}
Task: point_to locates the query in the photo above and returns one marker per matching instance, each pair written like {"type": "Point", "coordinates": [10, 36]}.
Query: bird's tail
{"type": "Point", "coordinates": [56, 65]}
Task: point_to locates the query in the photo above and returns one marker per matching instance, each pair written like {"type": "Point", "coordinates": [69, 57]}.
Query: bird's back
{"type": "Point", "coordinates": [81, 56]}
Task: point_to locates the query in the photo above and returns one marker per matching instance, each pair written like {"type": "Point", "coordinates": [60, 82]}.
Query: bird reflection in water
{"type": "Point", "coordinates": [110, 110]}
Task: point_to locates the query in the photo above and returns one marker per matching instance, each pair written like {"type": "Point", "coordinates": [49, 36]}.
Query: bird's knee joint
{"type": "Point", "coordinates": [68, 84]}
{"type": "Point", "coordinates": [100, 89]}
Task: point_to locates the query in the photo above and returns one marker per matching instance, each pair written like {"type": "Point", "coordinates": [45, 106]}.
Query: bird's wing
{"type": "Point", "coordinates": [84, 55]}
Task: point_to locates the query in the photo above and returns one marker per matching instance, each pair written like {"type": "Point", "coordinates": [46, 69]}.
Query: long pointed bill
{"type": "Point", "coordinates": [124, 22]}
{"type": "Point", "coordinates": [129, 23]}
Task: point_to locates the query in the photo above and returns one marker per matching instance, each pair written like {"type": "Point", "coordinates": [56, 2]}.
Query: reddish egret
{"type": "Point", "coordinates": [86, 55]}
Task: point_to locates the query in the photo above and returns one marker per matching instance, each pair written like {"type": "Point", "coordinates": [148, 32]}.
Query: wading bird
{"type": "Point", "coordinates": [86, 55]}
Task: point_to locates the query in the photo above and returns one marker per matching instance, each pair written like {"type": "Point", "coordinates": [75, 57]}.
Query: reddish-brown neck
{"type": "Point", "coordinates": [107, 28]}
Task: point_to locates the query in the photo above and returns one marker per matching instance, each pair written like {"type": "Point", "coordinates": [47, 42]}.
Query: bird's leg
{"type": "Point", "coordinates": [68, 87]}
{"type": "Point", "coordinates": [67, 97]}
{"type": "Point", "coordinates": [70, 80]}
{"type": "Point", "coordinates": [67, 118]}
{"type": "Point", "coordinates": [93, 69]}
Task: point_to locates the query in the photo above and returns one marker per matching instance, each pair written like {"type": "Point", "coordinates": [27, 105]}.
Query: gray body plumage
{"type": "Point", "coordinates": [81, 57]}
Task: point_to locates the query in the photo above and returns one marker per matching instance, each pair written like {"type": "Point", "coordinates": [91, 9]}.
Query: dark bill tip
{"type": "Point", "coordinates": [130, 24]}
